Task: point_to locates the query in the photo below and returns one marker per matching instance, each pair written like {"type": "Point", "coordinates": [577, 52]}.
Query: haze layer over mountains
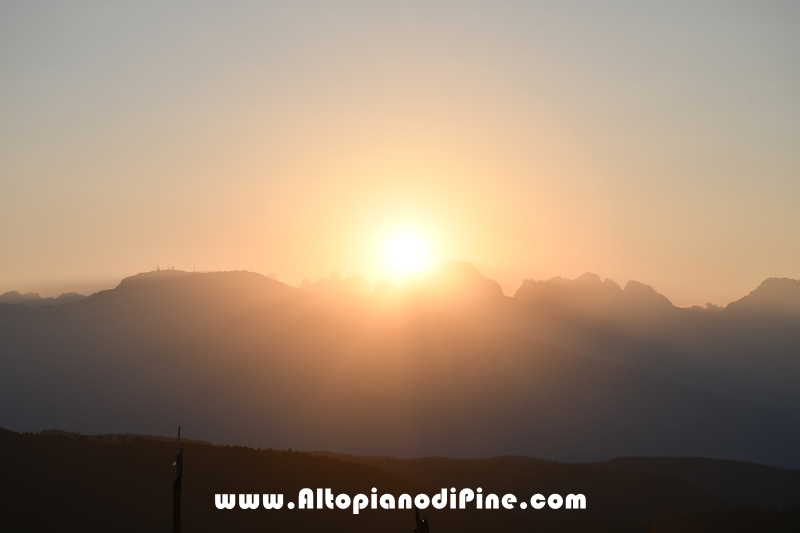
{"type": "Point", "coordinates": [749, 350]}
{"type": "Point", "coordinates": [443, 364]}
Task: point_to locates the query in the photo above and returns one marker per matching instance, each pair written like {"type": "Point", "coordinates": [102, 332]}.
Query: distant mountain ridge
{"type": "Point", "coordinates": [415, 371]}
{"type": "Point", "coordinates": [32, 299]}
{"type": "Point", "coordinates": [589, 293]}
{"type": "Point", "coordinates": [775, 296]}
{"type": "Point", "coordinates": [749, 350]}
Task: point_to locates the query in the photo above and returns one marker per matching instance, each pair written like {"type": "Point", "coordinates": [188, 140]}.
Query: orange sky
{"type": "Point", "coordinates": [648, 143]}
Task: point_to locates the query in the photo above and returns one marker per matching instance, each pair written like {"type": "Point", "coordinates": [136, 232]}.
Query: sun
{"type": "Point", "coordinates": [406, 254]}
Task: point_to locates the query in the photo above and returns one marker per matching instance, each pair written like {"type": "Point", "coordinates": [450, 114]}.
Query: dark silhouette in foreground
{"type": "Point", "coordinates": [177, 476]}
{"type": "Point", "coordinates": [422, 524]}
{"type": "Point", "coordinates": [68, 482]}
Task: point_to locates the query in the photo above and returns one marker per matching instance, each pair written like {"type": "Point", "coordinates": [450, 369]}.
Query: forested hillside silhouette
{"type": "Point", "coordinates": [123, 483]}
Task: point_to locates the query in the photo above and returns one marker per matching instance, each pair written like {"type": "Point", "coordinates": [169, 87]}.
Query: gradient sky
{"type": "Point", "coordinates": [533, 139]}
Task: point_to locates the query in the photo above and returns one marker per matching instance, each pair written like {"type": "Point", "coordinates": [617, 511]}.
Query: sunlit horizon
{"type": "Point", "coordinates": [519, 137]}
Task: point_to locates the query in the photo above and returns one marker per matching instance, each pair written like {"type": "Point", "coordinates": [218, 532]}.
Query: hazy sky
{"type": "Point", "coordinates": [533, 139]}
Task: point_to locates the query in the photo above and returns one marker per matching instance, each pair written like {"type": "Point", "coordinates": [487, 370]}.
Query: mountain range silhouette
{"type": "Point", "coordinates": [32, 299]}
{"type": "Point", "coordinates": [747, 350]}
{"type": "Point", "coordinates": [441, 364]}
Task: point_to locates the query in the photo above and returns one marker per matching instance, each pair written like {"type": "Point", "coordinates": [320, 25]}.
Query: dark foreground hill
{"type": "Point", "coordinates": [63, 482]}
{"type": "Point", "coordinates": [731, 481]}
{"type": "Point", "coordinates": [249, 360]}
{"type": "Point", "coordinates": [737, 481]}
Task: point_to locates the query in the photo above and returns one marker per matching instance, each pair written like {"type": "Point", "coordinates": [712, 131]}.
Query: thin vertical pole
{"type": "Point", "coordinates": [176, 487]}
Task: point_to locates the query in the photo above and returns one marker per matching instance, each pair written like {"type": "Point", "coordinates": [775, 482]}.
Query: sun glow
{"type": "Point", "coordinates": [406, 254]}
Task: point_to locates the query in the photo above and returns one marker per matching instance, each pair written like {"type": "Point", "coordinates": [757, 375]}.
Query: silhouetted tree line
{"type": "Point", "coordinates": [62, 482]}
